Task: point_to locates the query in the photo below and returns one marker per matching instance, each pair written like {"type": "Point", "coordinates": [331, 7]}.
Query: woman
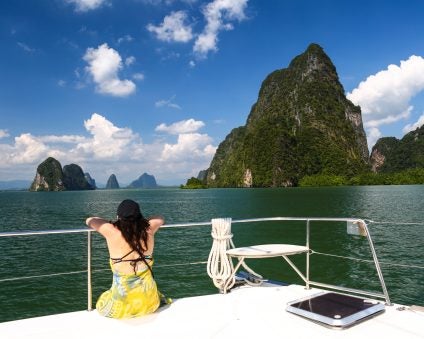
{"type": "Point", "coordinates": [130, 240]}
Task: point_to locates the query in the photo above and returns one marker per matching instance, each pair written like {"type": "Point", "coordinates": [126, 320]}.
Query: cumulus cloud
{"type": "Point", "coordinates": [168, 103]}
{"type": "Point", "coordinates": [373, 134]}
{"type": "Point", "coordinates": [3, 133]}
{"type": "Point", "coordinates": [218, 14]}
{"type": "Point", "coordinates": [106, 148]}
{"type": "Point", "coordinates": [125, 38]}
{"type": "Point", "coordinates": [385, 97]}
{"type": "Point", "coordinates": [108, 140]}
{"type": "Point", "coordinates": [180, 127]}
{"type": "Point", "coordinates": [189, 146]}
{"type": "Point", "coordinates": [173, 28]}
{"type": "Point", "coordinates": [86, 5]}
{"type": "Point", "coordinates": [104, 63]}
{"type": "Point", "coordinates": [138, 76]}
{"type": "Point", "coordinates": [27, 149]}
{"type": "Point", "coordinates": [412, 127]}
{"type": "Point", "coordinates": [130, 60]}
{"type": "Point", "coordinates": [66, 139]}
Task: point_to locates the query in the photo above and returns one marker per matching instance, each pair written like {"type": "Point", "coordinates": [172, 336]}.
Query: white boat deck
{"type": "Point", "coordinates": [246, 312]}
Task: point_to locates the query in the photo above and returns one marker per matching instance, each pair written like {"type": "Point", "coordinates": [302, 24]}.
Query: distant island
{"type": "Point", "coordinates": [112, 182]}
{"type": "Point", "coordinates": [50, 176]}
{"type": "Point", "coordinates": [144, 181]}
{"type": "Point", "coordinates": [303, 131]}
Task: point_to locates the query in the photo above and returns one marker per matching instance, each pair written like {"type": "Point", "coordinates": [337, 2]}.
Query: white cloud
{"type": "Point", "coordinates": [386, 97]}
{"type": "Point", "coordinates": [66, 139]}
{"type": "Point", "coordinates": [180, 127]}
{"type": "Point", "coordinates": [103, 65]}
{"type": "Point", "coordinates": [125, 38]}
{"type": "Point", "coordinates": [138, 76]}
{"type": "Point", "coordinates": [192, 64]}
{"type": "Point", "coordinates": [390, 119]}
{"type": "Point", "coordinates": [106, 148]}
{"type": "Point", "coordinates": [3, 133]}
{"type": "Point", "coordinates": [167, 103]}
{"type": "Point", "coordinates": [109, 141]}
{"type": "Point", "coordinates": [373, 135]}
{"type": "Point", "coordinates": [129, 61]}
{"type": "Point", "coordinates": [27, 149]}
{"type": "Point", "coordinates": [189, 146]}
{"type": "Point", "coordinates": [86, 5]}
{"type": "Point", "coordinates": [166, 2]}
{"type": "Point", "coordinates": [412, 127]}
{"type": "Point", "coordinates": [216, 14]}
{"type": "Point", "coordinates": [61, 83]}
{"type": "Point", "coordinates": [173, 28]}
{"type": "Point", "coordinates": [25, 47]}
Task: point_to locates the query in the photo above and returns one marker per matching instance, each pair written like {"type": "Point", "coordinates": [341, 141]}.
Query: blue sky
{"type": "Point", "coordinates": [134, 86]}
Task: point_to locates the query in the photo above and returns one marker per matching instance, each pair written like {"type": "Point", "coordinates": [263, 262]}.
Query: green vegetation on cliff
{"type": "Point", "coordinates": [392, 155]}
{"type": "Point", "coordinates": [74, 178]}
{"type": "Point", "coordinates": [412, 176]}
{"type": "Point", "coordinates": [49, 176]}
{"type": "Point", "coordinates": [193, 183]}
{"type": "Point", "coordinates": [301, 125]}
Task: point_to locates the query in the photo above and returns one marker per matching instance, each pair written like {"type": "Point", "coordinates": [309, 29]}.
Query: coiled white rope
{"type": "Point", "coordinates": [220, 267]}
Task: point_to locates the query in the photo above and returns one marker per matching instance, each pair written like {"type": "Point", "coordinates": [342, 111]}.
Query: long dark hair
{"type": "Point", "coordinates": [134, 231]}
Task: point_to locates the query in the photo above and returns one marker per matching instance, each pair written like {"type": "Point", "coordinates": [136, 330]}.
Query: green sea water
{"type": "Point", "coordinates": [398, 240]}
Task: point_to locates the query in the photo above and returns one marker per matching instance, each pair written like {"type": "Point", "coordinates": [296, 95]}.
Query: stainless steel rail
{"type": "Point", "coordinates": [306, 277]}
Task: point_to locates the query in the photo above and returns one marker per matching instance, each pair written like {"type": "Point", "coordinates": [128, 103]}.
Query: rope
{"type": "Point", "coordinates": [220, 267]}
{"type": "Point", "coordinates": [394, 222]}
{"type": "Point", "coordinates": [85, 271]}
{"type": "Point", "coordinates": [201, 263]}
{"type": "Point", "coordinates": [367, 260]}
{"type": "Point", "coordinates": [42, 276]}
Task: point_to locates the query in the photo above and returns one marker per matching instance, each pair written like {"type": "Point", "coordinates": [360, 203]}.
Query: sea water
{"type": "Point", "coordinates": [30, 266]}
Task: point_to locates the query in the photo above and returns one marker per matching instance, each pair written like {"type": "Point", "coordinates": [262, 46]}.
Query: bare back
{"type": "Point", "coordinates": [119, 248]}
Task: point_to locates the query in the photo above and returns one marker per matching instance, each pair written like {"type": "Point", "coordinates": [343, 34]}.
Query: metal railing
{"type": "Point", "coordinates": [305, 277]}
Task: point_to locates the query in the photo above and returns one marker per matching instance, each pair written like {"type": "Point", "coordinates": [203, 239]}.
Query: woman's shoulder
{"type": "Point", "coordinates": [155, 222]}
{"type": "Point", "coordinates": [101, 225]}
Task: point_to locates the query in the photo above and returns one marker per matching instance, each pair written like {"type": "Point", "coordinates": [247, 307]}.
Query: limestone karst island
{"type": "Point", "coordinates": [302, 130]}
{"type": "Point", "coordinates": [50, 176]}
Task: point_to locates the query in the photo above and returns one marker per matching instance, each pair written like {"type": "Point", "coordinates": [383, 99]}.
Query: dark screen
{"type": "Point", "coordinates": [332, 304]}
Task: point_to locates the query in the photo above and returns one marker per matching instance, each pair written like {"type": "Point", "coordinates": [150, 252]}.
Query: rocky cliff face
{"type": "Point", "coordinates": [393, 155]}
{"type": "Point", "coordinates": [90, 180]}
{"type": "Point", "coordinates": [144, 181]}
{"type": "Point", "coordinates": [202, 175]}
{"type": "Point", "coordinates": [49, 176]}
{"type": "Point", "coordinates": [74, 179]}
{"type": "Point", "coordinates": [112, 182]}
{"type": "Point", "coordinates": [302, 124]}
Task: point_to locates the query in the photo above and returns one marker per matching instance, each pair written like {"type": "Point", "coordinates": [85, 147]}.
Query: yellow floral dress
{"type": "Point", "coordinates": [131, 295]}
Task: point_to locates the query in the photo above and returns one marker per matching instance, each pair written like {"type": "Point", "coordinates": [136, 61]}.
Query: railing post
{"type": "Point", "coordinates": [89, 290]}
{"type": "Point", "coordinates": [377, 264]}
{"type": "Point", "coordinates": [307, 254]}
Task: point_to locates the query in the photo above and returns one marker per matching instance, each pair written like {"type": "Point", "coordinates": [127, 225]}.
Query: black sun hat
{"type": "Point", "coordinates": [129, 209]}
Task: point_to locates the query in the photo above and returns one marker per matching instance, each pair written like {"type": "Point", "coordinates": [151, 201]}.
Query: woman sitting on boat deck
{"type": "Point", "coordinates": [130, 240]}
